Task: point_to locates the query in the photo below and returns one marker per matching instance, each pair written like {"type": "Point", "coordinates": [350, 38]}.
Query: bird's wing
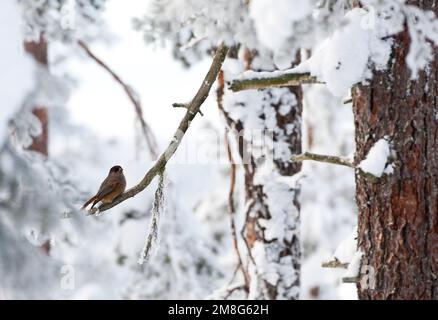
{"type": "Point", "coordinates": [106, 188]}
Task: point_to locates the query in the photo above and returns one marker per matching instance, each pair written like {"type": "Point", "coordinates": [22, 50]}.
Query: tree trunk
{"type": "Point", "coordinates": [280, 253]}
{"type": "Point", "coordinates": [272, 207]}
{"type": "Point", "coordinates": [398, 214]}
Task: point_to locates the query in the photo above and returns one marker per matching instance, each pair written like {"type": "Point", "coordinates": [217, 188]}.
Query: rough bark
{"type": "Point", "coordinates": [398, 214]}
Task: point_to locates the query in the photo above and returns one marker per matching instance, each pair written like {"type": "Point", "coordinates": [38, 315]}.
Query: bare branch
{"type": "Point", "coordinates": [231, 123]}
{"type": "Point", "coordinates": [281, 80]}
{"type": "Point", "coordinates": [323, 158]}
{"type": "Point", "coordinates": [232, 177]}
{"type": "Point", "coordinates": [350, 279]}
{"type": "Point", "coordinates": [338, 264]}
{"type": "Point", "coordinates": [184, 105]}
{"type": "Point", "coordinates": [231, 290]}
{"type": "Point", "coordinates": [192, 110]}
{"type": "Point", "coordinates": [180, 105]}
{"type": "Point", "coordinates": [133, 97]}
{"type": "Point", "coordinates": [341, 161]}
{"type": "Point", "coordinates": [219, 95]}
{"type": "Point", "coordinates": [243, 235]}
{"type": "Point", "coordinates": [232, 210]}
{"type": "Point", "coordinates": [335, 264]}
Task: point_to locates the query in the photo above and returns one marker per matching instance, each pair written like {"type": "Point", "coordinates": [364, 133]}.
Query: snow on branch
{"type": "Point", "coordinates": [133, 97]}
{"type": "Point", "coordinates": [263, 80]}
{"type": "Point", "coordinates": [192, 111]}
{"type": "Point", "coordinates": [376, 160]}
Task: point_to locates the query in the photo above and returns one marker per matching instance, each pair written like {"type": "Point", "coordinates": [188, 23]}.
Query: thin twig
{"type": "Point", "coordinates": [192, 110]}
{"type": "Point", "coordinates": [243, 235]}
{"type": "Point", "coordinates": [282, 80]}
{"type": "Point", "coordinates": [219, 95]}
{"type": "Point", "coordinates": [335, 264]}
{"type": "Point", "coordinates": [233, 212]}
{"type": "Point", "coordinates": [341, 161]}
{"type": "Point", "coordinates": [133, 97]}
{"type": "Point", "coordinates": [232, 177]}
{"type": "Point", "coordinates": [232, 124]}
{"type": "Point", "coordinates": [233, 289]}
{"type": "Point", "coordinates": [323, 158]}
{"type": "Point", "coordinates": [234, 275]}
{"type": "Point", "coordinates": [185, 106]}
{"type": "Point", "coordinates": [350, 279]}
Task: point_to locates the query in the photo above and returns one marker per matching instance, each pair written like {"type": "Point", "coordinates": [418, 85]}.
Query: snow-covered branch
{"type": "Point", "coordinates": [275, 79]}
{"type": "Point", "coordinates": [192, 110]}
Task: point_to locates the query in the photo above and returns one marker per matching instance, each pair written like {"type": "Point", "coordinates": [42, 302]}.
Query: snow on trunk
{"type": "Point", "coordinates": [268, 124]}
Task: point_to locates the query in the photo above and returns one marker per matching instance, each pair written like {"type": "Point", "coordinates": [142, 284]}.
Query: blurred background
{"type": "Point", "coordinates": [51, 250]}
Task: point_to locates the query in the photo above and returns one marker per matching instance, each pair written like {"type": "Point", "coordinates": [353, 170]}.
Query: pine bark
{"type": "Point", "coordinates": [398, 214]}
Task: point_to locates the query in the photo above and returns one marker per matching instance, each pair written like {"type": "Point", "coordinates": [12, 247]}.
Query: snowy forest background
{"type": "Point", "coordinates": [49, 249]}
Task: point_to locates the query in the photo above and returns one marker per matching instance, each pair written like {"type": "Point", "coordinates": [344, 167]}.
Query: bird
{"type": "Point", "coordinates": [113, 186]}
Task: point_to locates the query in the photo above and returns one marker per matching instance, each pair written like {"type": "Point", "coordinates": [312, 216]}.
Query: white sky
{"type": "Point", "coordinates": [16, 68]}
{"type": "Point", "coordinates": [100, 103]}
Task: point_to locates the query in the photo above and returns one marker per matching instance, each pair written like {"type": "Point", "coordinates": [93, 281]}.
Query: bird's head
{"type": "Point", "coordinates": [116, 170]}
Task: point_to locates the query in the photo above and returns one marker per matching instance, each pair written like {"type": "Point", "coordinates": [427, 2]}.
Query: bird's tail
{"type": "Point", "coordinates": [95, 199]}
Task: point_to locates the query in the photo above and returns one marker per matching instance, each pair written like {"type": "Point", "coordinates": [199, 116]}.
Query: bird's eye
{"type": "Point", "coordinates": [115, 169]}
